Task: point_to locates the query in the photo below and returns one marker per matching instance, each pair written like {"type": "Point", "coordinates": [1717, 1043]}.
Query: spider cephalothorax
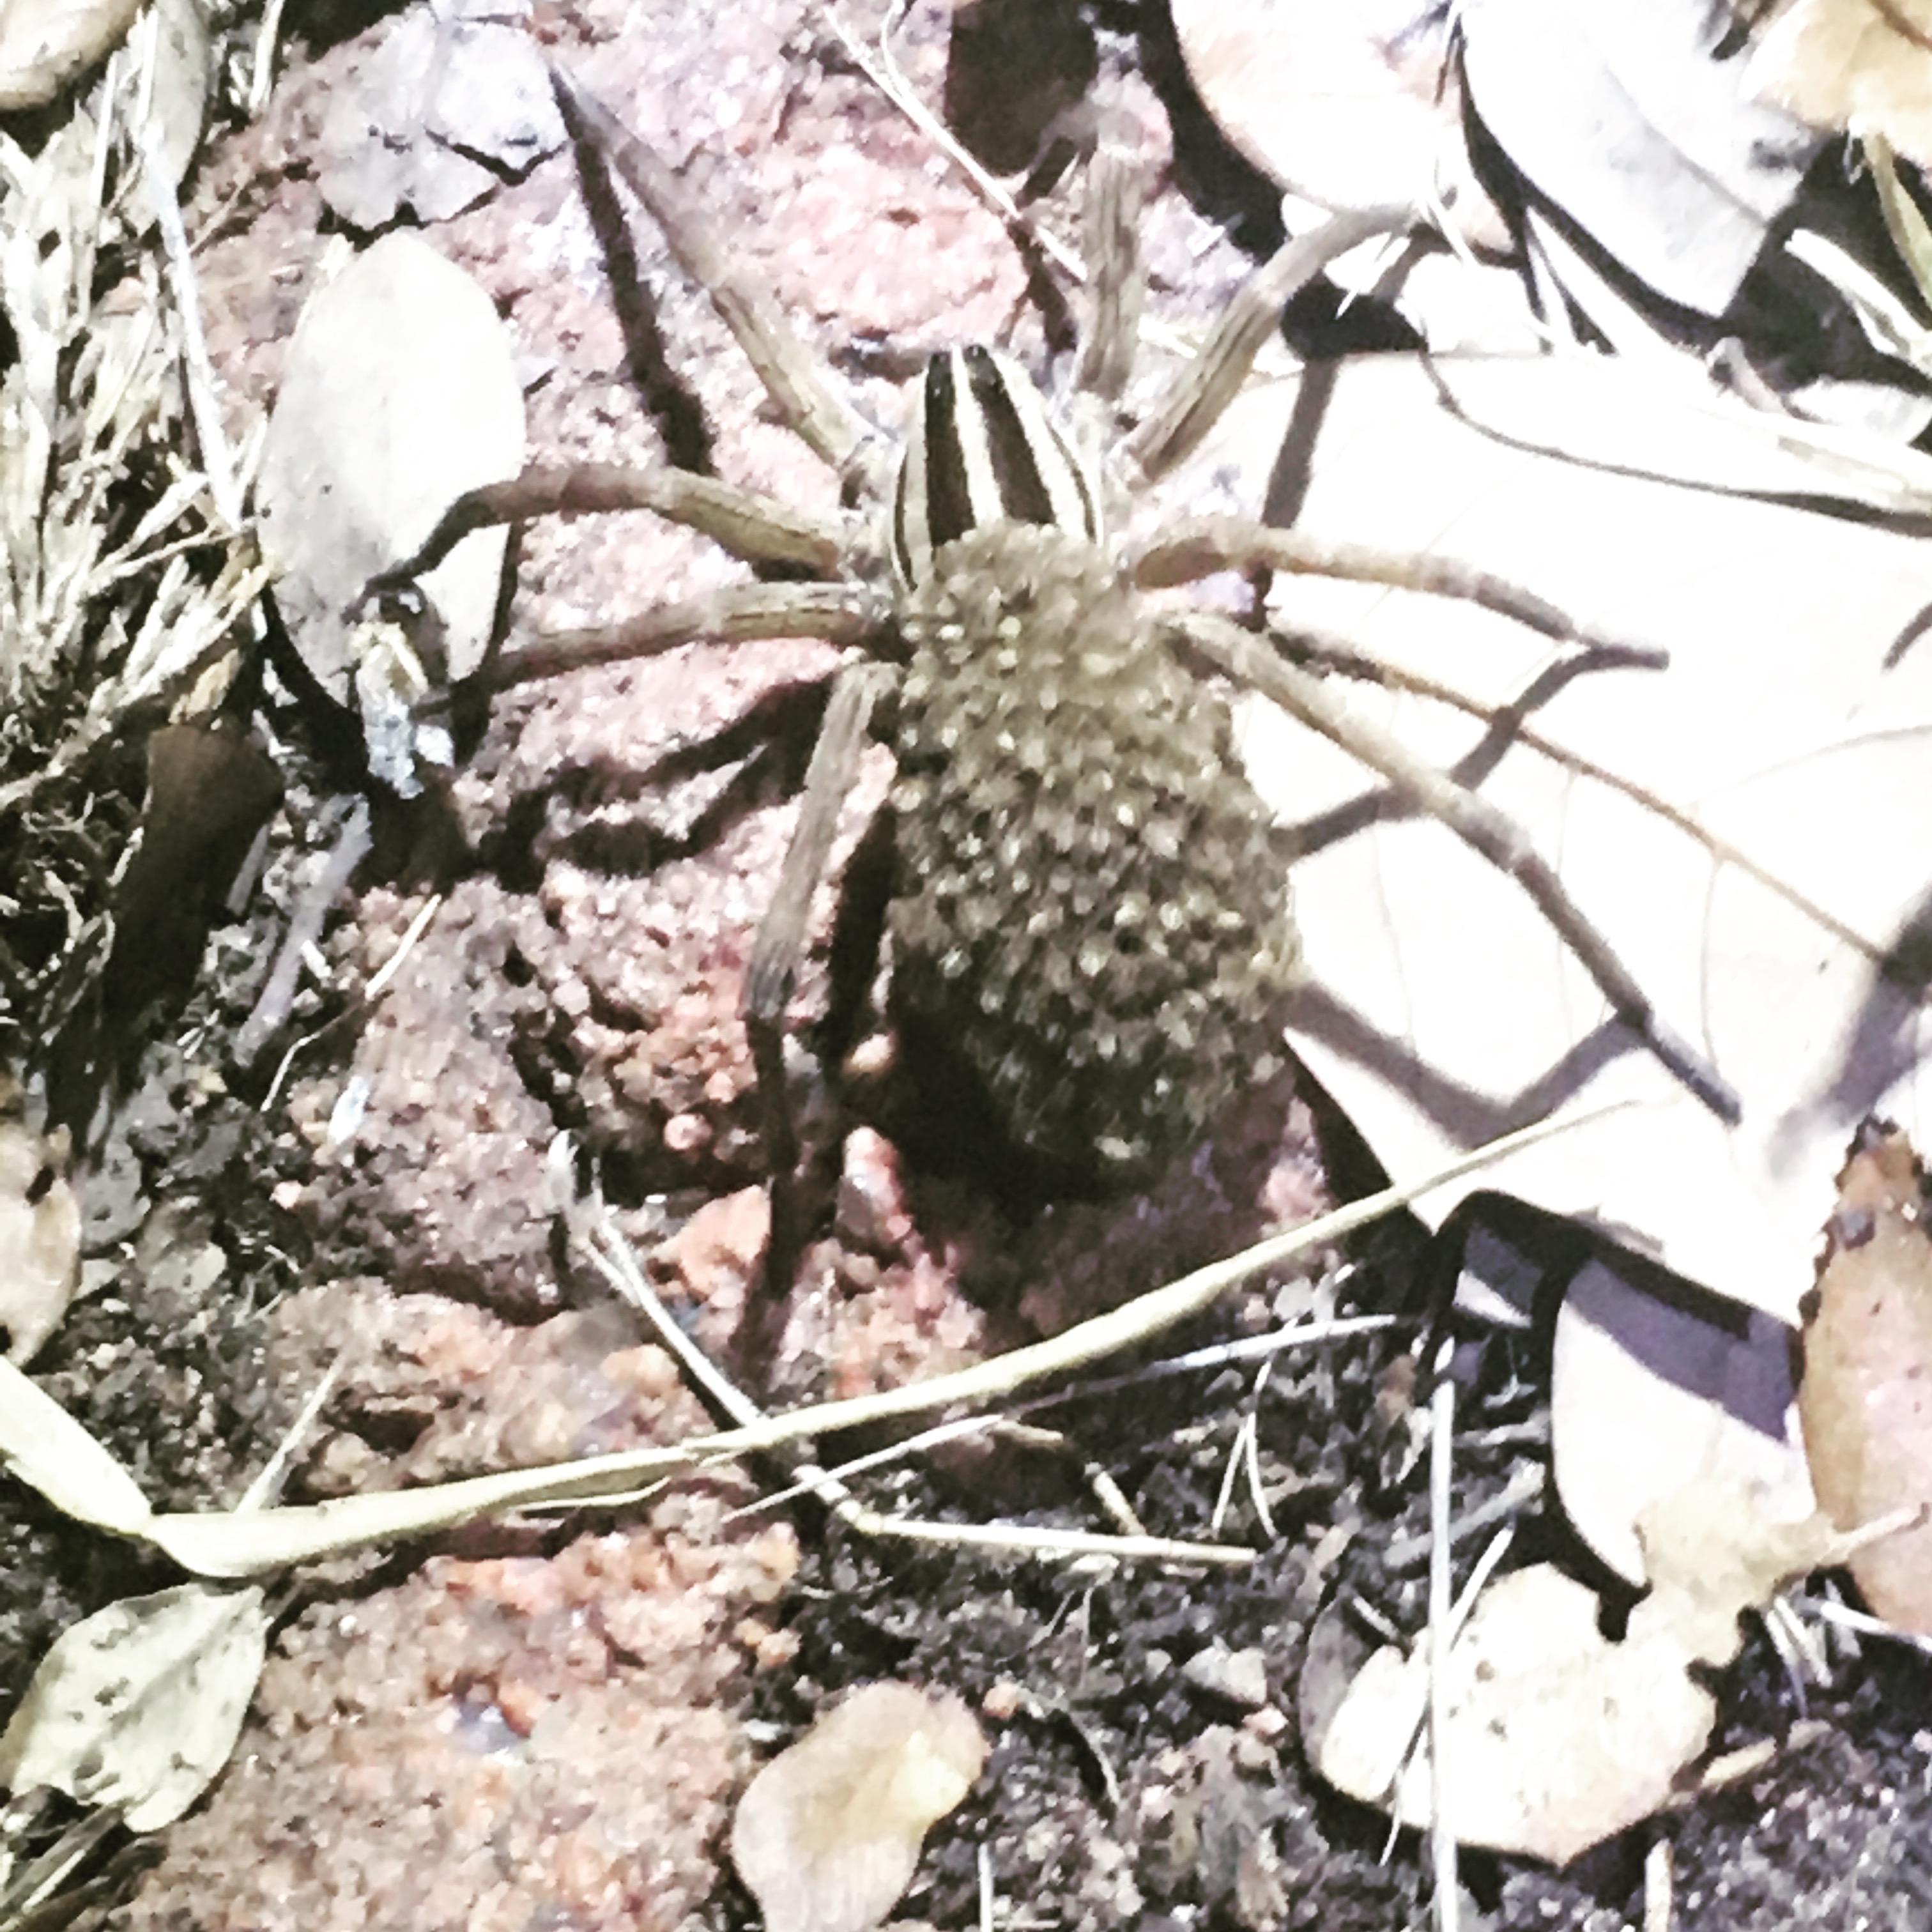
{"type": "Point", "coordinates": [1091, 909]}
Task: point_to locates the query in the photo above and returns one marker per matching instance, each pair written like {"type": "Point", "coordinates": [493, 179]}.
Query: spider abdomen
{"type": "Point", "coordinates": [1092, 903]}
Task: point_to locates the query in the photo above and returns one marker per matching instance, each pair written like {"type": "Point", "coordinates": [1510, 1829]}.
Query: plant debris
{"type": "Point", "coordinates": [40, 1230]}
{"type": "Point", "coordinates": [1559, 1737]}
{"type": "Point", "coordinates": [140, 1705]}
{"type": "Point", "coordinates": [1866, 1395]}
{"type": "Point", "coordinates": [401, 394]}
{"type": "Point", "coordinates": [827, 1836]}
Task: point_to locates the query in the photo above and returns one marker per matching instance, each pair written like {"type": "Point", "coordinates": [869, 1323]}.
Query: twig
{"type": "Point", "coordinates": [1658, 1909]}
{"type": "Point", "coordinates": [597, 1234]}
{"type": "Point", "coordinates": [1863, 1623]}
{"type": "Point", "coordinates": [391, 966]}
{"type": "Point", "coordinates": [211, 436]}
{"type": "Point", "coordinates": [1442, 1469]}
{"type": "Point", "coordinates": [268, 1485]}
{"type": "Point", "coordinates": [1252, 1461]}
{"type": "Point", "coordinates": [222, 1544]}
{"type": "Point", "coordinates": [271, 1009]}
{"type": "Point", "coordinates": [1224, 1496]}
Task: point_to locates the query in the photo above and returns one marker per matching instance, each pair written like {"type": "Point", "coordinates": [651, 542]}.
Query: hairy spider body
{"type": "Point", "coordinates": [1092, 904]}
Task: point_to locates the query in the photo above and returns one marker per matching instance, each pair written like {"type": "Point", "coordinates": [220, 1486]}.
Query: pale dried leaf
{"type": "Point", "coordinates": [39, 1237]}
{"type": "Point", "coordinates": [1793, 722]}
{"type": "Point", "coordinates": [1849, 64]}
{"type": "Point", "coordinates": [401, 393]}
{"type": "Point", "coordinates": [1626, 119]}
{"type": "Point", "coordinates": [1558, 1738]}
{"type": "Point", "coordinates": [45, 44]}
{"type": "Point", "coordinates": [1867, 1392]}
{"type": "Point", "coordinates": [1712, 1381]}
{"type": "Point", "coordinates": [43, 1446]}
{"type": "Point", "coordinates": [140, 1705]}
{"type": "Point", "coordinates": [1348, 106]}
{"type": "Point", "coordinates": [827, 1836]}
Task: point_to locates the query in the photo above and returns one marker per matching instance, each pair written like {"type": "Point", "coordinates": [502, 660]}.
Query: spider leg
{"type": "Point", "coordinates": [755, 527]}
{"type": "Point", "coordinates": [1116, 286]}
{"type": "Point", "coordinates": [773, 971]}
{"type": "Point", "coordinates": [1240, 655]}
{"type": "Point", "coordinates": [847, 614]}
{"type": "Point", "coordinates": [792, 375]}
{"type": "Point", "coordinates": [1200, 391]}
{"type": "Point", "coordinates": [1201, 546]}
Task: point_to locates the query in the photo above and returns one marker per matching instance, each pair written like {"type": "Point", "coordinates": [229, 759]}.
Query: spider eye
{"type": "Point", "coordinates": [983, 450]}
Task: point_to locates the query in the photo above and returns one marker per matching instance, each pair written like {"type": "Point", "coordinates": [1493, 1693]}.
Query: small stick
{"type": "Point", "coordinates": [590, 1225]}
{"type": "Point", "coordinates": [1658, 1909]}
{"type": "Point", "coordinates": [1442, 1469]}
{"type": "Point", "coordinates": [271, 1009]}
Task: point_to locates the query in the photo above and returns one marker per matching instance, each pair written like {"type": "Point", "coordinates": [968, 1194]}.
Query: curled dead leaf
{"type": "Point", "coordinates": [1866, 1395]}
{"type": "Point", "coordinates": [828, 1835]}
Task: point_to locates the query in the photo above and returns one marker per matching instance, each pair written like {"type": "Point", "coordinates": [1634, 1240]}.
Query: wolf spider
{"type": "Point", "coordinates": [1091, 911]}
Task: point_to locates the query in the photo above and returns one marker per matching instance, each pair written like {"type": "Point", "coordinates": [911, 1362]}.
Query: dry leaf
{"type": "Point", "coordinates": [1352, 106]}
{"type": "Point", "coordinates": [44, 1447]}
{"type": "Point", "coordinates": [401, 393]}
{"type": "Point", "coordinates": [1795, 717]}
{"type": "Point", "coordinates": [1557, 1738]}
{"type": "Point", "coordinates": [45, 44]}
{"type": "Point", "coordinates": [40, 1233]}
{"type": "Point", "coordinates": [1627, 120]}
{"type": "Point", "coordinates": [827, 1837]}
{"type": "Point", "coordinates": [140, 1705]}
{"type": "Point", "coordinates": [177, 104]}
{"type": "Point", "coordinates": [1866, 1397]}
{"type": "Point", "coordinates": [1852, 64]}
{"type": "Point", "coordinates": [1712, 1380]}
{"type": "Point", "coordinates": [453, 101]}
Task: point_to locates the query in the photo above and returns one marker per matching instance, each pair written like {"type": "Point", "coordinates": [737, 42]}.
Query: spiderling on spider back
{"type": "Point", "coordinates": [1092, 909]}
{"type": "Point", "coordinates": [1091, 900]}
